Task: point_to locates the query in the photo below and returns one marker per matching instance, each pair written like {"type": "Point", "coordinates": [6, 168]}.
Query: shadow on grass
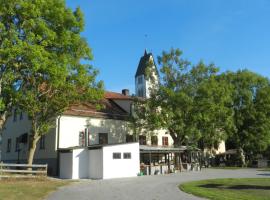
{"type": "Point", "coordinates": [235, 187]}
{"type": "Point", "coordinates": [264, 174]}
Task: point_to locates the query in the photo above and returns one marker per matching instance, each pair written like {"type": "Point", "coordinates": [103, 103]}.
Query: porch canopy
{"type": "Point", "coordinates": [166, 159]}
{"type": "Point", "coordinates": [161, 149]}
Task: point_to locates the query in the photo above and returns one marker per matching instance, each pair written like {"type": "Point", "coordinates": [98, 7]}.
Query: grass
{"type": "Point", "coordinates": [30, 189]}
{"type": "Point", "coordinates": [230, 189]}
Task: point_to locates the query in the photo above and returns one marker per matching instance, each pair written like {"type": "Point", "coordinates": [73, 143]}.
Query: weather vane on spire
{"type": "Point", "coordinates": [146, 41]}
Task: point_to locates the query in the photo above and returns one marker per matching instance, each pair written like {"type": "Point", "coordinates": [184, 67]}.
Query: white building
{"type": "Point", "coordinates": [90, 143]}
{"type": "Point", "coordinates": [99, 144]}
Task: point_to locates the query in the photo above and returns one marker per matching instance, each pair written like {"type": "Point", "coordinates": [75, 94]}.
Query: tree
{"type": "Point", "coordinates": [251, 104]}
{"type": "Point", "coordinates": [11, 63]}
{"type": "Point", "coordinates": [190, 101]}
{"type": "Point", "coordinates": [52, 76]}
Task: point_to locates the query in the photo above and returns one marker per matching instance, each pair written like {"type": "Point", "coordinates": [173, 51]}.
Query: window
{"type": "Point", "coordinates": [15, 115]}
{"type": "Point", "coordinates": [21, 115]}
{"type": "Point", "coordinates": [140, 92]}
{"type": "Point", "coordinates": [9, 145]}
{"type": "Point", "coordinates": [82, 139]}
{"type": "Point", "coordinates": [140, 80]}
{"type": "Point", "coordinates": [142, 139]}
{"type": "Point", "coordinates": [23, 138]}
{"type": "Point", "coordinates": [42, 142]}
{"type": "Point", "coordinates": [103, 138]}
{"type": "Point", "coordinates": [129, 138]}
{"type": "Point", "coordinates": [17, 146]}
{"type": "Point", "coordinates": [165, 141]}
{"type": "Point", "coordinates": [127, 156]}
{"type": "Point", "coordinates": [116, 155]}
{"type": "Point", "coordinates": [154, 140]}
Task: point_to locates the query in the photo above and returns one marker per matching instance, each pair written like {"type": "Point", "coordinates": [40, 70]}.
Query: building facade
{"type": "Point", "coordinates": [90, 143]}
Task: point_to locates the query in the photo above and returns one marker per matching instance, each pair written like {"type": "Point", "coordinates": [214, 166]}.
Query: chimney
{"type": "Point", "coordinates": [125, 92]}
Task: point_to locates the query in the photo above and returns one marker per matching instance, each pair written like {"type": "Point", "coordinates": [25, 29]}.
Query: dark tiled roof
{"type": "Point", "coordinates": [141, 70]}
{"type": "Point", "coordinates": [109, 108]}
{"type": "Point", "coordinates": [114, 95]}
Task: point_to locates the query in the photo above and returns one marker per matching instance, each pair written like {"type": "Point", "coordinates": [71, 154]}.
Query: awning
{"type": "Point", "coordinates": [161, 149]}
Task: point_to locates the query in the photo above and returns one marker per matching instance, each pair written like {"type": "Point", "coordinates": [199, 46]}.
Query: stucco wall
{"type": "Point", "coordinates": [159, 133]}
{"type": "Point", "coordinates": [71, 126]}
{"type": "Point", "coordinates": [116, 168]}
{"type": "Point", "coordinates": [14, 129]}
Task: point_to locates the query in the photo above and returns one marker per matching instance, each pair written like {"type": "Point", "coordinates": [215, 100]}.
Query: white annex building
{"type": "Point", "coordinates": [97, 144]}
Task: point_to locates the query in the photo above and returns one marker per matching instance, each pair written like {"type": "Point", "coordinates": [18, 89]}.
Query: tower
{"type": "Point", "coordinates": [146, 77]}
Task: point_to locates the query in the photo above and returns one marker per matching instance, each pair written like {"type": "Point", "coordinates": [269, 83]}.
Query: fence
{"type": "Point", "coordinates": [23, 169]}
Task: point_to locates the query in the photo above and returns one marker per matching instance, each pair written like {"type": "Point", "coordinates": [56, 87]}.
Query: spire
{"type": "Point", "coordinates": [145, 52]}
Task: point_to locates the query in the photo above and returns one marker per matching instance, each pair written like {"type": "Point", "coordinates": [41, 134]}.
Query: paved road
{"type": "Point", "coordinates": [160, 187]}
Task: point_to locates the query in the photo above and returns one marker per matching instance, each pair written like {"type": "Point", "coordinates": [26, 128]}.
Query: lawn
{"type": "Point", "coordinates": [34, 189]}
{"type": "Point", "coordinates": [230, 189]}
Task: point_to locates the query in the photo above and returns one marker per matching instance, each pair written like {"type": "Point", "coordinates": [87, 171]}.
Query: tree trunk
{"type": "Point", "coordinates": [32, 149]}
{"type": "Point", "coordinates": [3, 119]}
{"type": "Point", "coordinates": [242, 157]}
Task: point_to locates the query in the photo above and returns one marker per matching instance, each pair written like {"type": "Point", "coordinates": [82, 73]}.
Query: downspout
{"type": "Point", "coordinates": [57, 148]}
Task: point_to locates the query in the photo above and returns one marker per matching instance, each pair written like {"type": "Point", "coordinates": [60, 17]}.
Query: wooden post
{"type": "Point", "coordinates": [46, 169]}
{"type": "Point", "coordinates": [150, 161]}
{"type": "Point", "coordinates": [169, 164]}
{"type": "Point", "coordinates": [1, 170]}
{"type": "Point", "coordinates": [180, 161]}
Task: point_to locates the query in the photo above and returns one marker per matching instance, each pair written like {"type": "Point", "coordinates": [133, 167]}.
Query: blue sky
{"type": "Point", "coordinates": [234, 34]}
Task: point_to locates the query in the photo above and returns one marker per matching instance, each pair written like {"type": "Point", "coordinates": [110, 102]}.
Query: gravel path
{"type": "Point", "coordinates": [160, 187]}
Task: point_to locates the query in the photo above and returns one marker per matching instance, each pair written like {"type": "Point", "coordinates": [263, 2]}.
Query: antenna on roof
{"type": "Point", "coordinates": [145, 42]}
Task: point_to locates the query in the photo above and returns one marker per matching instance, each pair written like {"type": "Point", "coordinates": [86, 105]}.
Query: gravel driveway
{"type": "Point", "coordinates": [159, 187]}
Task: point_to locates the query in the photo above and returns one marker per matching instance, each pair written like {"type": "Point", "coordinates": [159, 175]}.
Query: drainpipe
{"type": "Point", "coordinates": [57, 149]}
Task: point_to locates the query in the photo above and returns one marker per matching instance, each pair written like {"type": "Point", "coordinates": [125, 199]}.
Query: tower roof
{"type": "Point", "coordinates": [143, 64]}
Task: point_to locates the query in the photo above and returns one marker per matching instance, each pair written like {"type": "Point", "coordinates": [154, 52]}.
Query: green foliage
{"type": "Point", "coordinates": [42, 40]}
{"type": "Point", "coordinates": [251, 104]}
{"type": "Point", "coordinates": [190, 101]}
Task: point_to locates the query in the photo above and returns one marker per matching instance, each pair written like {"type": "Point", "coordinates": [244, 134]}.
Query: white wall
{"type": "Point", "coordinates": [159, 133]}
{"type": "Point", "coordinates": [74, 165]}
{"type": "Point", "coordinates": [80, 163]}
{"type": "Point", "coordinates": [99, 163]}
{"type": "Point", "coordinates": [116, 168]}
{"type": "Point", "coordinates": [66, 164]}
{"type": "Point", "coordinates": [96, 164]}
{"type": "Point", "coordinates": [221, 147]}
{"type": "Point", "coordinates": [71, 126]}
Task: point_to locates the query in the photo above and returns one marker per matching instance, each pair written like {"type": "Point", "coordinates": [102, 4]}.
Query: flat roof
{"type": "Point", "coordinates": [94, 146]}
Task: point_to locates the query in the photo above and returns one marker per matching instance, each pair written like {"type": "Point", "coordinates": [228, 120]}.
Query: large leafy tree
{"type": "Point", "coordinates": [50, 50]}
{"type": "Point", "coordinates": [251, 104]}
{"type": "Point", "coordinates": [11, 63]}
{"type": "Point", "coordinates": [190, 102]}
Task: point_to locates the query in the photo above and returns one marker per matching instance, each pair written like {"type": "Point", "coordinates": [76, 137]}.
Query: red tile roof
{"type": "Point", "coordinates": [110, 108]}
